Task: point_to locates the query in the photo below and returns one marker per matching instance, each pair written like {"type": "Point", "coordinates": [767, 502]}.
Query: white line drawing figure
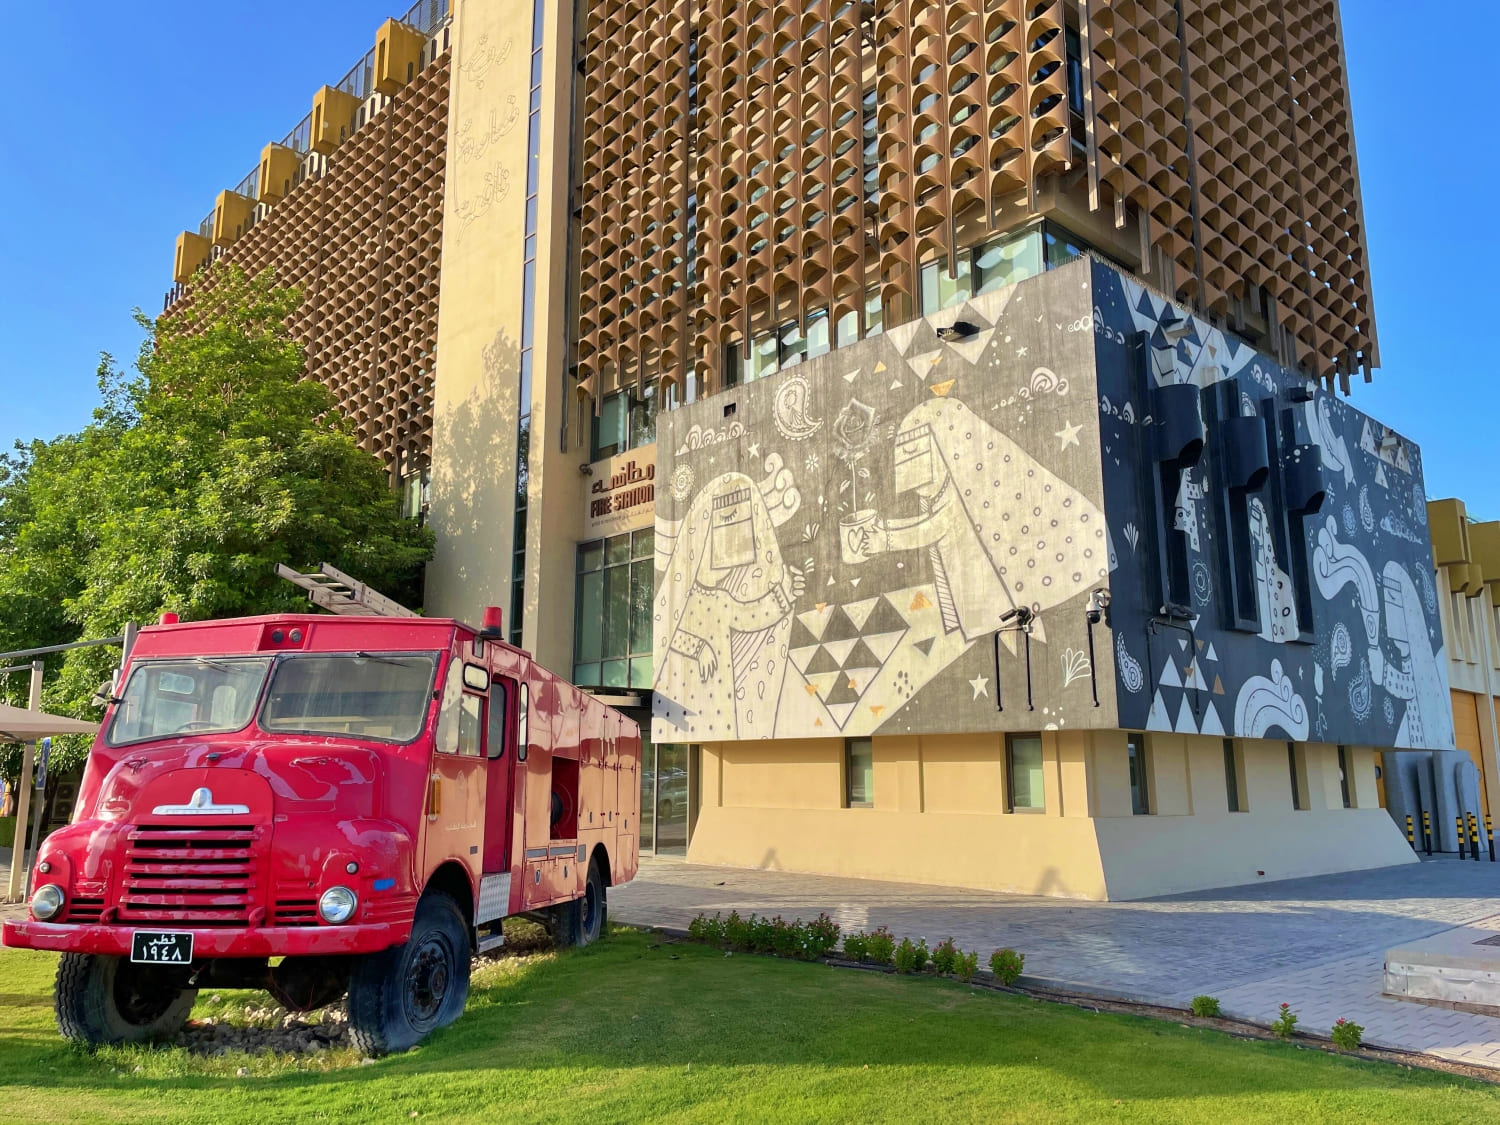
{"type": "Point", "coordinates": [1270, 702]}
{"type": "Point", "coordinates": [723, 613]}
{"type": "Point", "coordinates": [1417, 675]}
{"type": "Point", "coordinates": [999, 528]}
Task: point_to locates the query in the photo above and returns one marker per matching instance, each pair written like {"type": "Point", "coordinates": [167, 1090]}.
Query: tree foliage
{"type": "Point", "coordinates": [204, 468]}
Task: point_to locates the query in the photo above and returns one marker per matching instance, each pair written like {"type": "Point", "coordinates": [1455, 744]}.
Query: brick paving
{"type": "Point", "coordinates": [1318, 943]}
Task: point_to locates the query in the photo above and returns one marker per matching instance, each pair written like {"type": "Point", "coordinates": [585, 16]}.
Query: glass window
{"type": "Point", "coordinates": [609, 426]}
{"type": "Point", "coordinates": [1344, 776]}
{"type": "Point", "coordinates": [642, 430]}
{"type": "Point", "coordinates": [1061, 247]}
{"type": "Point", "coordinates": [942, 290]}
{"type": "Point", "coordinates": [817, 334]}
{"type": "Point", "coordinates": [1291, 760]}
{"type": "Point", "coordinates": [1140, 786]}
{"type": "Point", "coordinates": [859, 773]}
{"type": "Point", "coordinates": [362, 695]}
{"type": "Point", "coordinates": [197, 695]}
{"type": "Point", "coordinates": [846, 331]}
{"type": "Point", "coordinates": [1232, 776]}
{"type": "Point", "coordinates": [793, 345]}
{"type": "Point", "coordinates": [616, 589]}
{"type": "Point", "coordinates": [762, 360]}
{"type": "Point", "coordinates": [500, 696]}
{"type": "Point", "coordinates": [1023, 762]}
{"type": "Point", "coordinates": [874, 313]}
{"type": "Point", "coordinates": [1005, 261]}
{"type": "Point", "coordinates": [470, 726]}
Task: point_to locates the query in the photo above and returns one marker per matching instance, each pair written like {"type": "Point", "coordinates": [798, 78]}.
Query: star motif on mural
{"type": "Point", "coordinates": [755, 449]}
{"type": "Point", "coordinates": [981, 686]}
{"type": "Point", "coordinates": [1068, 435]}
{"type": "Point", "coordinates": [1021, 352]}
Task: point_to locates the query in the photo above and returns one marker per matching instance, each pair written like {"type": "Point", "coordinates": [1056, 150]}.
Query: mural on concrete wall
{"type": "Point", "coordinates": [1343, 643]}
{"type": "Point", "coordinates": [837, 545]}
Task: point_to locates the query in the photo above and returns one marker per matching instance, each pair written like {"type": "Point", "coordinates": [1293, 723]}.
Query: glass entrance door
{"type": "Point", "coordinates": [667, 788]}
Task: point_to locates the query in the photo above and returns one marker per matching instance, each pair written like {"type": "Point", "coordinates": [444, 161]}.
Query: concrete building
{"type": "Point", "coordinates": [922, 416]}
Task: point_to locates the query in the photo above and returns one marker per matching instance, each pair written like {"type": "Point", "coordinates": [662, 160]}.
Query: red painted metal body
{"type": "Point", "coordinates": [309, 807]}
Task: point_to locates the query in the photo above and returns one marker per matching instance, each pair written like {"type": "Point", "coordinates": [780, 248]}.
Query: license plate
{"type": "Point", "coordinates": [154, 947]}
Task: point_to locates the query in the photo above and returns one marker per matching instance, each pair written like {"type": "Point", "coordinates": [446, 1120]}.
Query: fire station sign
{"type": "Point", "coordinates": [622, 494]}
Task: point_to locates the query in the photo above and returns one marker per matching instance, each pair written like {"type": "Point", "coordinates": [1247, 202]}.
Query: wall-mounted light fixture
{"type": "Point", "coordinates": [958, 330]}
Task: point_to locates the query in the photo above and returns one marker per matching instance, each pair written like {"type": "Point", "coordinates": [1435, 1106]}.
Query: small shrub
{"type": "Point", "coordinates": [708, 930]}
{"type": "Point", "coordinates": [762, 935]}
{"type": "Point", "coordinates": [880, 946]}
{"type": "Point", "coordinates": [856, 946]}
{"type": "Point", "coordinates": [1284, 1023]}
{"type": "Point", "coordinates": [1207, 1006]}
{"type": "Point", "coordinates": [1347, 1035]}
{"type": "Point", "coordinates": [737, 932]}
{"type": "Point", "coordinates": [965, 966]}
{"type": "Point", "coordinates": [911, 958]}
{"type": "Point", "coordinates": [1007, 964]}
{"type": "Point", "coordinates": [945, 957]}
{"type": "Point", "coordinates": [822, 936]}
{"type": "Point", "coordinates": [787, 937]}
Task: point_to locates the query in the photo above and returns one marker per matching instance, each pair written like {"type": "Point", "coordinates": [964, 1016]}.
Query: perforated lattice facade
{"type": "Point", "coordinates": [1229, 130]}
{"type": "Point", "coordinates": [744, 162]}
{"type": "Point", "coordinates": [363, 242]}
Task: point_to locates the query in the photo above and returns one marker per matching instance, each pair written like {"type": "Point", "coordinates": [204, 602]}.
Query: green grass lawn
{"type": "Point", "coordinates": [633, 1030]}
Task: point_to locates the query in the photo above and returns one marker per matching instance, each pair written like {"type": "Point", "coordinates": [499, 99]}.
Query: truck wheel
{"type": "Point", "coordinates": [101, 1000]}
{"type": "Point", "coordinates": [581, 922]}
{"type": "Point", "coordinates": [399, 995]}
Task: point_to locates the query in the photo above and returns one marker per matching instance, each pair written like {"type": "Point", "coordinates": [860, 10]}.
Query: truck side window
{"type": "Point", "coordinates": [461, 720]}
{"type": "Point", "coordinates": [522, 714]}
{"type": "Point", "coordinates": [471, 725]}
{"type": "Point", "coordinates": [502, 691]}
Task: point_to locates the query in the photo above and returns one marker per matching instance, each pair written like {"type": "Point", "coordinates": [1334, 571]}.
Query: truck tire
{"type": "Point", "coordinates": [100, 1000]}
{"type": "Point", "coordinates": [581, 922]}
{"type": "Point", "coordinates": [399, 995]}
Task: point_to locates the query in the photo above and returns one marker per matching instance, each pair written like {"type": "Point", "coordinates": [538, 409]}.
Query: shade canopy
{"type": "Point", "coordinates": [20, 725]}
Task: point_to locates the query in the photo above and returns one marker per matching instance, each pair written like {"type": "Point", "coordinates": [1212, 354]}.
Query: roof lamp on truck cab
{"type": "Point", "coordinates": [350, 796]}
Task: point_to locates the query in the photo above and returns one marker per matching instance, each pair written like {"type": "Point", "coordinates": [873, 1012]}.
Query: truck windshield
{"type": "Point", "coordinates": [377, 696]}
{"type": "Point", "coordinates": [187, 695]}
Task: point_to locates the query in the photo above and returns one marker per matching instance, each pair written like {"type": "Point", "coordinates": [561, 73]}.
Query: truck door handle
{"type": "Point", "coordinates": [434, 796]}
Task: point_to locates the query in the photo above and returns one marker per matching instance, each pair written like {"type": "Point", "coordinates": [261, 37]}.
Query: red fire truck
{"type": "Point", "coordinates": [317, 805]}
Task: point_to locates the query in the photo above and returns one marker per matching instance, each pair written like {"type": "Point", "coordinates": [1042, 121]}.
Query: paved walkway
{"type": "Point", "coordinates": [1318, 944]}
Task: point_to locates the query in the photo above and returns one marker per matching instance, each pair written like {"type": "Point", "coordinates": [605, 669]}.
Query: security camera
{"type": "Point", "coordinates": [1098, 605]}
{"type": "Point", "coordinates": [1021, 614]}
{"type": "Point", "coordinates": [1174, 612]}
{"type": "Point", "coordinates": [586, 469]}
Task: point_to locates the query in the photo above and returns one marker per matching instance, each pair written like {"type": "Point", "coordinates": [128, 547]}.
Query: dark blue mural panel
{"type": "Point", "coordinates": [1275, 576]}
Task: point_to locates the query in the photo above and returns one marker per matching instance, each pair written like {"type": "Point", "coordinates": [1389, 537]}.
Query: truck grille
{"type": "Point", "coordinates": [189, 875]}
{"type": "Point", "coordinates": [296, 912]}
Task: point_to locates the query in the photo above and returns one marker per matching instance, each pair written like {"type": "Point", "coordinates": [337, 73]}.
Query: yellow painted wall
{"type": "Point", "coordinates": [938, 815]}
{"type": "Point", "coordinates": [475, 407]}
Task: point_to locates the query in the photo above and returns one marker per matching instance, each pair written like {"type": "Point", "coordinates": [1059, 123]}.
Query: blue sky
{"type": "Point", "coordinates": [123, 121]}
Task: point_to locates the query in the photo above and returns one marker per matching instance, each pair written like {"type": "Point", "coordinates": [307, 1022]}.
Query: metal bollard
{"type": "Point", "coordinates": [1411, 840]}
{"type": "Point", "coordinates": [1458, 823]}
{"type": "Point", "coordinates": [1474, 837]}
{"type": "Point", "coordinates": [1489, 830]}
{"type": "Point", "coordinates": [1426, 832]}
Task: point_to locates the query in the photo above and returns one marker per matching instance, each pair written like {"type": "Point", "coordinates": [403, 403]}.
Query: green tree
{"type": "Point", "coordinates": [214, 461]}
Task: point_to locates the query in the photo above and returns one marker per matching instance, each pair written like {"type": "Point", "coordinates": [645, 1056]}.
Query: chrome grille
{"type": "Point", "coordinates": [189, 874]}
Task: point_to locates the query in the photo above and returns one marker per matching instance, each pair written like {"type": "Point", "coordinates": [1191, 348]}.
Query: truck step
{"type": "Point", "coordinates": [488, 942]}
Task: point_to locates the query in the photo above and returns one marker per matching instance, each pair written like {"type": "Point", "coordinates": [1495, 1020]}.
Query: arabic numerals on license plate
{"type": "Point", "coordinates": [161, 948]}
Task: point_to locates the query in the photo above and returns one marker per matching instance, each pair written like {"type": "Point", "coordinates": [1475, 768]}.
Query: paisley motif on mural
{"type": "Point", "coordinates": [789, 410]}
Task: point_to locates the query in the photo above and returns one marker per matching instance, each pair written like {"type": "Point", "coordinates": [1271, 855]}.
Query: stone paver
{"type": "Point", "coordinates": [1317, 943]}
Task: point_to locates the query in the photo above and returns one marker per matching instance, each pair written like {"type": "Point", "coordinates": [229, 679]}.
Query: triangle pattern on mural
{"type": "Point", "coordinates": [849, 646]}
{"type": "Point", "coordinates": [921, 365]}
{"type": "Point", "coordinates": [1186, 723]}
{"type": "Point", "coordinates": [1211, 724]}
{"type": "Point", "coordinates": [902, 334]}
{"type": "Point", "coordinates": [972, 347]}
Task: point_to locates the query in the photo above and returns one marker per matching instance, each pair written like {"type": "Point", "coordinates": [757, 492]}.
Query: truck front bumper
{"type": "Point", "coordinates": [268, 941]}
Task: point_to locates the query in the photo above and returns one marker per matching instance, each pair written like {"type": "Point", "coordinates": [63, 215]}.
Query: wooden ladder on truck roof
{"type": "Point", "coordinates": [331, 589]}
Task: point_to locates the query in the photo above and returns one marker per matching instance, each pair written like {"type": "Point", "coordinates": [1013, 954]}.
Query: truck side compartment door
{"type": "Point", "coordinates": [500, 746]}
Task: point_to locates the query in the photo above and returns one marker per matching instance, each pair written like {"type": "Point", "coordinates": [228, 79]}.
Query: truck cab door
{"type": "Point", "coordinates": [456, 780]}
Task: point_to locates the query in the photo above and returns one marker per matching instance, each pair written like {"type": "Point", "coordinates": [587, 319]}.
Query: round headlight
{"type": "Point", "coordinates": [337, 904]}
{"type": "Point", "coordinates": [46, 902]}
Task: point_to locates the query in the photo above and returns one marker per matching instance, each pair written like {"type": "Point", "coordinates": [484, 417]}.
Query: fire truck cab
{"type": "Point", "coordinates": [326, 804]}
